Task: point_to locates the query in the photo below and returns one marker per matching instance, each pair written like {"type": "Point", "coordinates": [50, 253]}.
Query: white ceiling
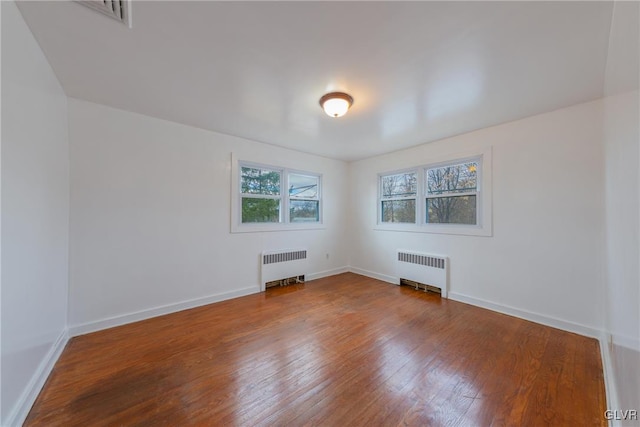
{"type": "Point", "coordinates": [418, 71]}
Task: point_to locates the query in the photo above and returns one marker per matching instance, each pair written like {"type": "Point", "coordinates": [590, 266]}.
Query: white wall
{"type": "Point", "coordinates": [150, 217]}
{"type": "Point", "coordinates": [622, 180]}
{"type": "Point", "coordinates": [35, 216]}
{"type": "Point", "coordinates": [622, 301]}
{"type": "Point", "coordinates": [543, 261]}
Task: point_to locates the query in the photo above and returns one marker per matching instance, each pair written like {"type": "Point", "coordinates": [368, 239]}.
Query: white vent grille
{"type": "Point", "coordinates": [284, 257]}
{"type": "Point", "coordinates": [425, 269]}
{"type": "Point", "coordinates": [280, 265]}
{"type": "Point", "coordinates": [120, 10]}
{"type": "Point", "coordinates": [428, 261]}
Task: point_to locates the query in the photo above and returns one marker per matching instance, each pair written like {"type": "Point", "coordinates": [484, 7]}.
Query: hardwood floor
{"type": "Point", "coordinates": [342, 351]}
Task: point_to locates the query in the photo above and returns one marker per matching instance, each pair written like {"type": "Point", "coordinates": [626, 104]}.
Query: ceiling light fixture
{"type": "Point", "coordinates": [336, 104]}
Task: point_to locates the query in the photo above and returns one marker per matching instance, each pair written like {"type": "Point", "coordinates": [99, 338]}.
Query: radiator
{"type": "Point", "coordinates": [279, 265]}
{"type": "Point", "coordinates": [424, 268]}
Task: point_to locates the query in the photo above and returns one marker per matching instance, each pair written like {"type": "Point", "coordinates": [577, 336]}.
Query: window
{"type": "Point", "coordinates": [451, 196]}
{"type": "Point", "coordinates": [398, 198]}
{"type": "Point", "coordinates": [304, 198]}
{"type": "Point", "coordinates": [267, 198]}
{"type": "Point", "coordinates": [260, 190]}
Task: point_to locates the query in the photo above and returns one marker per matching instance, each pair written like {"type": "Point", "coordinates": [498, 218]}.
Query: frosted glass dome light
{"type": "Point", "coordinates": [336, 104]}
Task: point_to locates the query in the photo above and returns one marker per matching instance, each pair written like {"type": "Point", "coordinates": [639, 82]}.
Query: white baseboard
{"type": "Point", "coordinates": [86, 328]}
{"type": "Point", "coordinates": [609, 378]}
{"type": "Point", "coordinates": [124, 319]}
{"type": "Point", "coordinates": [374, 275]}
{"type": "Point", "coordinates": [554, 322]}
{"type": "Point", "coordinates": [500, 308]}
{"type": "Point", "coordinates": [326, 273]}
{"type": "Point", "coordinates": [604, 339]}
{"type": "Point", "coordinates": [28, 397]}
{"type": "Point", "coordinates": [631, 343]}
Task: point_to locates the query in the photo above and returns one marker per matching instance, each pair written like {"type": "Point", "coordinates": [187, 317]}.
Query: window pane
{"type": "Point", "coordinates": [452, 210]}
{"type": "Point", "coordinates": [303, 186]}
{"type": "Point", "coordinates": [304, 211]}
{"type": "Point", "coordinates": [260, 210]}
{"type": "Point", "coordinates": [401, 185]}
{"type": "Point", "coordinates": [260, 181]}
{"type": "Point", "coordinates": [399, 211]}
{"type": "Point", "coordinates": [453, 178]}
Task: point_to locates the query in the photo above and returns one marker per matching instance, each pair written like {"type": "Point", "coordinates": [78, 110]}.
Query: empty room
{"type": "Point", "coordinates": [320, 213]}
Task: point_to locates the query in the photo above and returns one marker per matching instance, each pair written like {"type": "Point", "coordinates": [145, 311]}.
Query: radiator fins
{"type": "Point", "coordinates": [283, 257]}
{"type": "Point", "coordinates": [425, 260]}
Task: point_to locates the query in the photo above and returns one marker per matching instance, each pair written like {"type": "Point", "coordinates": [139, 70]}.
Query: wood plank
{"type": "Point", "coordinates": [343, 350]}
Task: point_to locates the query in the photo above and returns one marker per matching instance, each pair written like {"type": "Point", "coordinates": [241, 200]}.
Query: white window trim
{"type": "Point", "coordinates": [381, 199]}
{"type": "Point", "coordinates": [484, 226]}
{"type": "Point", "coordinates": [237, 226]}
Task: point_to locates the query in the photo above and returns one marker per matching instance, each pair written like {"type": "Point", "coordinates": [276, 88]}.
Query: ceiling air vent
{"type": "Point", "coordinates": [120, 10]}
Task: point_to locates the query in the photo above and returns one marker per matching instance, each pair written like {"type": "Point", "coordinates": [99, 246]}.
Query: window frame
{"type": "Point", "coordinates": [284, 223]}
{"type": "Point", "coordinates": [477, 192]}
{"type": "Point", "coordinates": [483, 226]}
{"type": "Point", "coordinates": [381, 198]}
{"type": "Point", "coordinates": [318, 197]}
{"type": "Point", "coordinates": [243, 196]}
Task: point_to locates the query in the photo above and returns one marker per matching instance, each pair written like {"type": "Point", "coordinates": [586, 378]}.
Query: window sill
{"type": "Point", "coordinates": [260, 228]}
{"type": "Point", "coordinates": [461, 230]}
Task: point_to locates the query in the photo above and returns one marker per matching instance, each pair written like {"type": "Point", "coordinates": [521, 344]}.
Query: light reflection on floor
{"type": "Point", "coordinates": [260, 377]}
